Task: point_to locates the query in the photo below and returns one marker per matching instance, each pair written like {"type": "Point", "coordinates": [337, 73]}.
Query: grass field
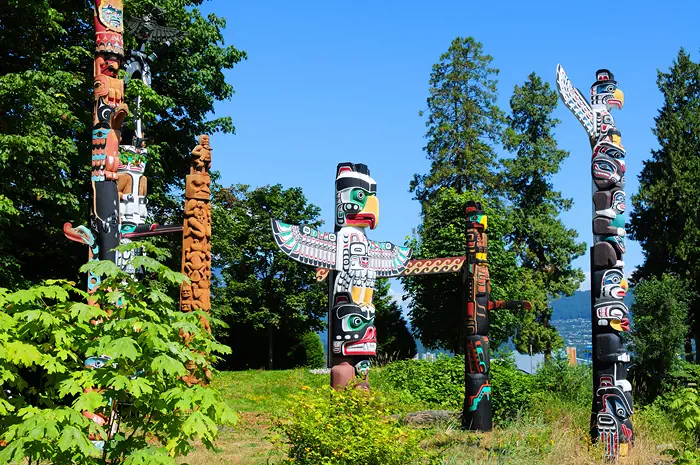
{"type": "Point", "coordinates": [552, 432]}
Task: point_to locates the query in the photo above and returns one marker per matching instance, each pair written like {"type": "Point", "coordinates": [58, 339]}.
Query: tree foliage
{"type": "Point", "coordinates": [46, 68]}
{"type": "Point", "coordinates": [665, 218]}
{"type": "Point", "coordinates": [660, 312]}
{"type": "Point", "coordinates": [436, 304]}
{"type": "Point", "coordinates": [544, 246]}
{"type": "Point", "coordinates": [46, 333]}
{"type": "Point", "coordinates": [463, 119]}
{"type": "Point", "coordinates": [394, 339]}
{"type": "Point", "coordinates": [267, 299]}
{"type": "Point", "coordinates": [530, 249]}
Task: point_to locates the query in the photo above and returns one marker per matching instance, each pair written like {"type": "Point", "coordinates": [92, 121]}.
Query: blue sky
{"type": "Point", "coordinates": [327, 82]}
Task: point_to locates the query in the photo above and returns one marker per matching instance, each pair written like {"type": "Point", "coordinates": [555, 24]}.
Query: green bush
{"type": "Point", "coordinates": [47, 331]}
{"type": "Point", "coordinates": [570, 383]}
{"type": "Point", "coordinates": [440, 384]}
{"type": "Point", "coordinates": [436, 384]}
{"type": "Point", "coordinates": [350, 426]}
{"type": "Point", "coordinates": [308, 352]}
{"type": "Point", "coordinates": [511, 391]}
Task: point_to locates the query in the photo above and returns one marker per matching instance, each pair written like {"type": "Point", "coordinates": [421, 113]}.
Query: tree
{"type": "Point", "coordinates": [394, 338]}
{"type": "Point", "coordinates": [308, 351]}
{"type": "Point", "coordinates": [463, 119]}
{"type": "Point", "coordinates": [268, 300]}
{"type": "Point", "coordinates": [665, 216]}
{"type": "Point", "coordinates": [660, 312]}
{"type": "Point", "coordinates": [543, 245]}
{"type": "Point", "coordinates": [46, 69]}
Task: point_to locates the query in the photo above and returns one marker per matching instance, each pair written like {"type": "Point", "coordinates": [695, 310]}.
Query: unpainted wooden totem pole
{"type": "Point", "coordinates": [196, 239]}
{"type": "Point", "coordinates": [612, 394]}
{"type": "Point", "coordinates": [477, 413]}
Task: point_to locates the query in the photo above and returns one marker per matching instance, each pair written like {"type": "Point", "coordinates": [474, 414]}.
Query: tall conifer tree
{"type": "Point", "coordinates": [544, 246]}
{"type": "Point", "coordinates": [665, 218]}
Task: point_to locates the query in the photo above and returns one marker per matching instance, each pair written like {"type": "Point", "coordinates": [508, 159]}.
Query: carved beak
{"type": "Point", "coordinates": [369, 215]}
{"type": "Point", "coordinates": [618, 99]}
{"type": "Point", "coordinates": [484, 220]}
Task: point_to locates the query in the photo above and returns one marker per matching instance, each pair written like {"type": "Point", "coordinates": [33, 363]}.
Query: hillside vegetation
{"type": "Point", "coordinates": [538, 419]}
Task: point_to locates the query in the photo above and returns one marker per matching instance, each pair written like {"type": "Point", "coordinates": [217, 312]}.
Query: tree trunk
{"type": "Point", "coordinates": [270, 347]}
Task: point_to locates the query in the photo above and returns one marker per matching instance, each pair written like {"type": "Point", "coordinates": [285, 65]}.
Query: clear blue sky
{"type": "Point", "coordinates": [327, 82]}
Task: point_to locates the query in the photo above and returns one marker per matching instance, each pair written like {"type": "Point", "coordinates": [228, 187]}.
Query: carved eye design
{"type": "Point", "coordinates": [360, 195]}
{"type": "Point", "coordinates": [610, 89]}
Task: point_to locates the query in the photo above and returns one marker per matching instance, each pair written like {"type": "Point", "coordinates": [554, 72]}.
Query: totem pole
{"type": "Point", "coordinates": [132, 184]}
{"type": "Point", "coordinates": [476, 413]}
{"type": "Point", "coordinates": [108, 115]}
{"type": "Point", "coordinates": [196, 238]}
{"type": "Point", "coordinates": [612, 398]}
{"type": "Point", "coordinates": [354, 263]}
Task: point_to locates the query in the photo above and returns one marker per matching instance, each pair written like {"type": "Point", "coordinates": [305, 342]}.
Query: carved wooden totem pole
{"type": "Point", "coordinates": [477, 414]}
{"type": "Point", "coordinates": [612, 398]}
{"type": "Point", "coordinates": [108, 115]}
{"type": "Point", "coordinates": [196, 238]}
{"type": "Point", "coordinates": [354, 263]}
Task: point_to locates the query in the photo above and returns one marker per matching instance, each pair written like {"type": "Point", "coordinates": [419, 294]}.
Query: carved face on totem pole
{"type": "Point", "coordinates": [604, 91]}
{"type": "Point", "coordinates": [610, 284]}
{"type": "Point", "coordinates": [356, 202]}
{"type": "Point", "coordinates": [612, 313]}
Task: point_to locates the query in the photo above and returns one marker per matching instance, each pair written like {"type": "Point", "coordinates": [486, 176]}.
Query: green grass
{"type": "Point", "coordinates": [263, 391]}
{"type": "Point", "coordinates": [554, 431]}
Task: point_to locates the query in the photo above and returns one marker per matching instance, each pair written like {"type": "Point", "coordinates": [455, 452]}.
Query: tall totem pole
{"type": "Point", "coordinates": [196, 237]}
{"type": "Point", "coordinates": [119, 187]}
{"type": "Point", "coordinates": [612, 397]}
{"type": "Point", "coordinates": [476, 413]}
{"type": "Point", "coordinates": [354, 263]}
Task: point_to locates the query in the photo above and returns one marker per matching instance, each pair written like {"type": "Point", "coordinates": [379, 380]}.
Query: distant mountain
{"type": "Point", "coordinates": [579, 306]}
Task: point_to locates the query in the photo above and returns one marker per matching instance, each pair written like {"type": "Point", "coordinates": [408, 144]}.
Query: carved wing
{"type": "Point", "coordinates": [388, 259]}
{"type": "Point", "coordinates": [304, 244]}
{"type": "Point", "coordinates": [165, 33]}
{"type": "Point", "coordinates": [576, 102]}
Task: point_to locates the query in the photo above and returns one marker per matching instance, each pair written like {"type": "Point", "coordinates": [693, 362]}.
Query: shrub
{"type": "Point", "coordinates": [440, 384]}
{"type": "Point", "coordinates": [349, 426]}
{"type": "Point", "coordinates": [47, 331]}
{"type": "Point", "coordinates": [569, 383]}
{"type": "Point", "coordinates": [512, 389]}
{"type": "Point", "coordinates": [436, 384]}
{"type": "Point", "coordinates": [308, 352]}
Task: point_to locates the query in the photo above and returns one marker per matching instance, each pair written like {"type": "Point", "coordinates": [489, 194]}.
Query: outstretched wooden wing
{"type": "Point", "coordinates": [388, 259]}
{"type": "Point", "coordinates": [576, 102]}
{"type": "Point", "coordinates": [305, 245]}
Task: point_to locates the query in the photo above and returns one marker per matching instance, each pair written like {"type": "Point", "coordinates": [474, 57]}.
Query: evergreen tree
{"type": "Point", "coordinates": [268, 300]}
{"type": "Point", "coordinates": [394, 338]}
{"type": "Point", "coordinates": [463, 122]}
{"type": "Point", "coordinates": [545, 247]}
{"type": "Point", "coordinates": [46, 81]}
{"type": "Point", "coordinates": [665, 216]}
{"type": "Point", "coordinates": [660, 312]}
